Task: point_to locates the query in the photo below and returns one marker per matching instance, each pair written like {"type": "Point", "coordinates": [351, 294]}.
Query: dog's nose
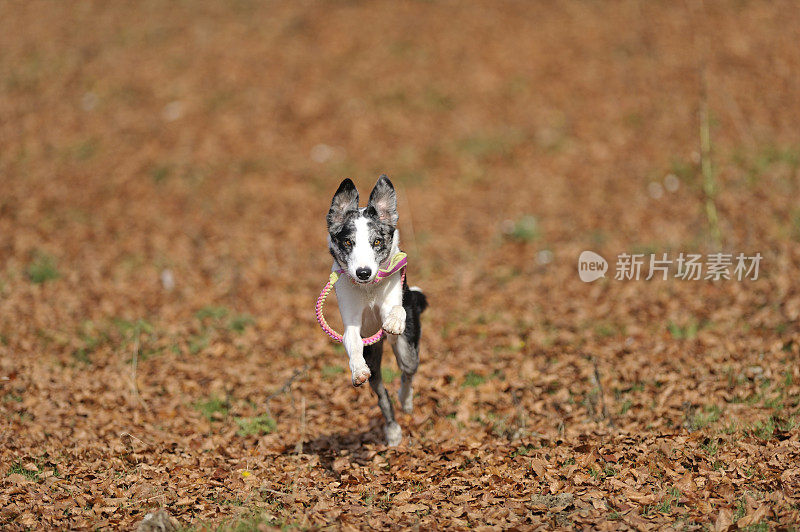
{"type": "Point", "coordinates": [363, 273]}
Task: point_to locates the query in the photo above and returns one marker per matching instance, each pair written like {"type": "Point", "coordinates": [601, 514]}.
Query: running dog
{"type": "Point", "coordinates": [363, 240]}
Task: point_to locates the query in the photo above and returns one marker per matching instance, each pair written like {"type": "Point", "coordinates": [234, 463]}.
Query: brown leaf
{"type": "Point", "coordinates": [411, 508]}
{"type": "Point", "coordinates": [724, 520]}
{"type": "Point", "coordinates": [686, 484]}
{"type": "Point", "coordinates": [756, 517]}
{"type": "Point", "coordinates": [641, 498]}
{"type": "Point", "coordinates": [538, 466]}
{"type": "Point", "coordinates": [341, 463]}
{"type": "Point", "coordinates": [17, 478]}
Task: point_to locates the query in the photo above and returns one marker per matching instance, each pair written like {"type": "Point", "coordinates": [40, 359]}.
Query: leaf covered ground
{"type": "Point", "coordinates": [166, 168]}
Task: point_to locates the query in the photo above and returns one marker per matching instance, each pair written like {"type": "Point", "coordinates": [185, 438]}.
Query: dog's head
{"type": "Point", "coordinates": [361, 239]}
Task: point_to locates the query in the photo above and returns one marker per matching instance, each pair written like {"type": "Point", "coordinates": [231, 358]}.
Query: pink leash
{"type": "Point", "coordinates": [398, 262]}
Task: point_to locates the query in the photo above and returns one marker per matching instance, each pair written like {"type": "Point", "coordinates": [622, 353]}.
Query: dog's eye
{"type": "Point", "coordinates": [376, 243]}
{"type": "Point", "coordinates": [347, 243]}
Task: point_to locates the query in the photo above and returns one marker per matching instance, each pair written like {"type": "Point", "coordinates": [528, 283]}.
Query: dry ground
{"type": "Point", "coordinates": [197, 144]}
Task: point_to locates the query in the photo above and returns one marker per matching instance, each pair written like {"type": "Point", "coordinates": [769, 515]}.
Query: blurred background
{"type": "Point", "coordinates": [166, 166]}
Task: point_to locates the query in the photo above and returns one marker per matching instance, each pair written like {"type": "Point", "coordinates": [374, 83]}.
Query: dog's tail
{"type": "Point", "coordinates": [417, 298]}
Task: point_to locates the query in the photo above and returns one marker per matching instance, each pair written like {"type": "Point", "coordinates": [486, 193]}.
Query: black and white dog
{"type": "Point", "coordinates": [362, 240]}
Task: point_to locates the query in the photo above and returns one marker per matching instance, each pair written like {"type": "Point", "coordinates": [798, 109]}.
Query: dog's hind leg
{"type": "Point", "coordinates": [407, 355]}
{"type": "Point", "coordinates": [406, 346]}
{"type": "Point", "coordinates": [372, 355]}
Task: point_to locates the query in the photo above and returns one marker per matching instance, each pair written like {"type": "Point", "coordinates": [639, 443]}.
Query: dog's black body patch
{"type": "Point", "coordinates": [414, 302]}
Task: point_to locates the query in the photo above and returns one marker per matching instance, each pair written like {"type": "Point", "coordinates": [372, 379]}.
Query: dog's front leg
{"type": "Point", "coordinates": [351, 307]}
{"type": "Point", "coordinates": [355, 351]}
{"type": "Point", "coordinates": [393, 314]}
{"type": "Point", "coordinates": [355, 346]}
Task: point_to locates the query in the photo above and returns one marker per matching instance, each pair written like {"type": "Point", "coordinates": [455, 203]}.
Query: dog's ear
{"type": "Point", "coordinates": [344, 201]}
{"type": "Point", "coordinates": [384, 201]}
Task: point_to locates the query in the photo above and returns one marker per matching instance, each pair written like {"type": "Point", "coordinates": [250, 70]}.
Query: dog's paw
{"type": "Point", "coordinates": [393, 433]}
{"type": "Point", "coordinates": [406, 398]}
{"type": "Point", "coordinates": [361, 374]}
{"type": "Point", "coordinates": [395, 322]}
